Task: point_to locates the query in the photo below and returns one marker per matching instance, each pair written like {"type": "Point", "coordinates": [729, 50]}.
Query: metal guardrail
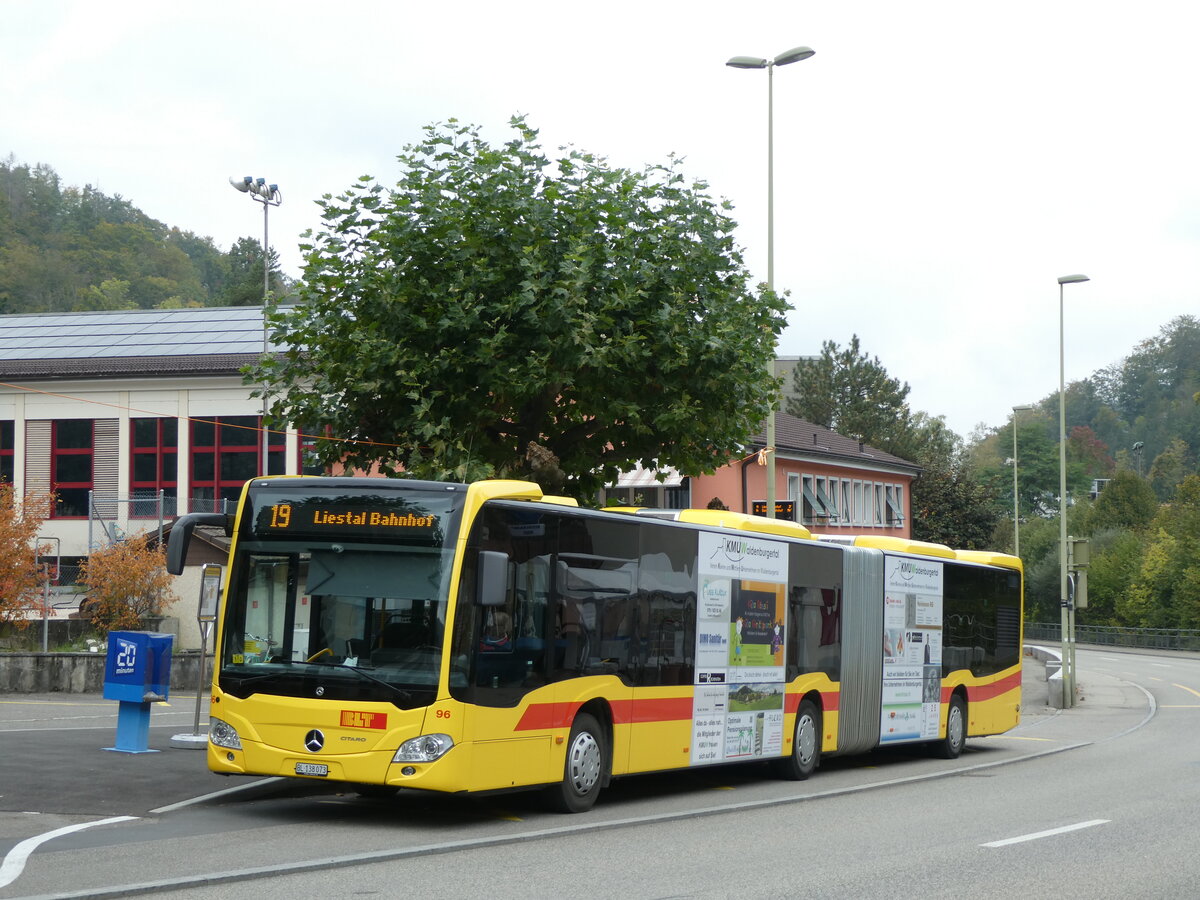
{"type": "Point", "coordinates": [1115, 636]}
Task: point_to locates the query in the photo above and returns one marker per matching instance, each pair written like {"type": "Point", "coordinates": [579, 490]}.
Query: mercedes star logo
{"type": "Point", "coordinates": [320, 691]}
{"type": "Point", "coordinates": [314, 741]}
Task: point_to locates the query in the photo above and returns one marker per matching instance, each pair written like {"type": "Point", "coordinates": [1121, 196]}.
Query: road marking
{"type": "Point", "coordinates": [14, 862]}
{"type": "Point", "coordinates": [1050, 833]}
{"type": "Point", "coordinates": [1017, 737]}
{"type": "Point", "coordinates": [1188, 689]}
{"type": "Point", "coordinates": [123, 891]}
{"type": "Point", "coordinates": [49, 703]}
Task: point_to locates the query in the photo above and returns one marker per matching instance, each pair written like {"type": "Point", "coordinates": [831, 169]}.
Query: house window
{"type": "Point", "coordinates": [828, 498]}
{"type": "Point", "coordinates": [858, 503]}
{"type": "Point", "coordinates": [832, 488]}
{"type": "Point", "coordinates": [309, 464]}
{"type": "Point", "coordinates": [153, 465]}
{"type": "Point", "coordinates": [677, 497]}
{"type": "Point", "coordinates": [7, 443]}
{"type": "Point", "coordinates": [895, 509]}
{"type": "Point", "coordinates": [878, 505]}
{"type": "Point", "coordinates": [226, 453]}
{"type": "Point", "coordinates": [71, 442]}
{"type": "Point", "coordinates": [847, 518]}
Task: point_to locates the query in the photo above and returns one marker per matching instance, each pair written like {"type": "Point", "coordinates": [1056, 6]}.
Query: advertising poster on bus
{"type": "Point", "coordinates": [912, 649]}
{"type": "Point", "coordinates": [737, 712]}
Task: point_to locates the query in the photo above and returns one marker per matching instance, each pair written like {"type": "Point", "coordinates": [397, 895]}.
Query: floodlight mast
{"type": "Point", "coordinates": [268, 195]}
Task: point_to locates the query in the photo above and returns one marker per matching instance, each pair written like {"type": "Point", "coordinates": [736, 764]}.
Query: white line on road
{"type": "Point", "coordinates": [14, 862]}
{"type": "Point", "coordinates": [1042, 834]}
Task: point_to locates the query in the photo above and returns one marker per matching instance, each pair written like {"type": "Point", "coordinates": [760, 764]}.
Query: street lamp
{"type": "Point", "coordinates": [268, 195]}
{"type": "Point", "coordinates": [1068, 650]}
{"type": "Point", "coordinates": [754, 62]}
{"type": "Point", "coordinates": [1016, 497]}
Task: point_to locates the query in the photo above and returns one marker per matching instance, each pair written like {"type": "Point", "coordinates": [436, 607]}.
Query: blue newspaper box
{"type": "Point", "coordinates": [137, 672]}
{"type": "Point", "coordinates": [138, 668]}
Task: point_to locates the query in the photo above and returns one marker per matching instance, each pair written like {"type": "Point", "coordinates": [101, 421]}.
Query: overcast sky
{"type": "Point", "coordinates": [938, 164]}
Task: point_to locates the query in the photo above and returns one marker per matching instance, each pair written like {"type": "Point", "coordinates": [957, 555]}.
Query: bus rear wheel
{"type": "Point", "coordinates": [952, 744]}
{"type": "Point", "coordinates": [806, 745]}
{"type": "Point", "coordinates": [583, 771]}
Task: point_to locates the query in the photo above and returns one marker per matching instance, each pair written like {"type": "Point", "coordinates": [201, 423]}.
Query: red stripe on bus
{"type": "Point", "coordinates": [546, 716]}
{"type": "Point", "coordinates": [977, 693]}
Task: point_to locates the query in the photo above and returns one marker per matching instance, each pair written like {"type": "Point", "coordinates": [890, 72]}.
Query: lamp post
{"type": "Point", "coordinates": [754, 62]}
{"type": "Point", "coordinates": [1068, 650]}
{"type": "Point", "coordinates": [268, 195]}
{"type": "Point", "coordinates": [1016, 497]}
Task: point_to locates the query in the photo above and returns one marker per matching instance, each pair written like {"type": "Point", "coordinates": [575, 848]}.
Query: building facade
{"type": "Point", "coordinates": [829, 483]}
{"type": "Point", "coordinates": [135, 417]}
{"type": "Point", "coordinates": [132, 418]}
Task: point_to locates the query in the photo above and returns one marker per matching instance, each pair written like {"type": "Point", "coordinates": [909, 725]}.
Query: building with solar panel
{"type": "Point", "coordinates": [133, 417]}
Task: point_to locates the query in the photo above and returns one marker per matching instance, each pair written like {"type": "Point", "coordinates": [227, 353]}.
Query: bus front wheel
{"type": "Point", "coordinates": [583, 771]}
{"type": "Point", "coordinates": [952, 744]}
{"type": "Point", "coordinates": [806, 745]}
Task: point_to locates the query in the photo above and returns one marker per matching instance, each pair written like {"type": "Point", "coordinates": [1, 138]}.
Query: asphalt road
{"type": "Point", "coordinates": [305, 838]}
{"type": "Point", "coordinates": [54, 758]}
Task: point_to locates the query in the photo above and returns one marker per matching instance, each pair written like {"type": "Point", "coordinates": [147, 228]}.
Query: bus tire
{"type": "Point", "coordinates": [806, 745]}
{"type": "Point", "coordinates": [583, 770]}
{"type": "Point", "coordinates": [951, 746]}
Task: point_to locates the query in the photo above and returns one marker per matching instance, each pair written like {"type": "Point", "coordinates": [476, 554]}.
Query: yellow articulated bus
{"type": "Point", "coordinates": [450, 637]}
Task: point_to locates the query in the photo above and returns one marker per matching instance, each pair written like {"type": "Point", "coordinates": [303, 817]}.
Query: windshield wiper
{"type": "Point", "coordinates": [403, 694]}
{"type": "Point", "coordinates": [250, 679]}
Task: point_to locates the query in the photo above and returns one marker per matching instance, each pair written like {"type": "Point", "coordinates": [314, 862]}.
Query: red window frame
{"type": "Point", "coordinates": [226, 452]}
{"type": "Point", "coordinates": [8, 436]}
{"type": "Point", "coordinates": [72, 505]}
{"type": "Point", "coordinates": [157, 447]}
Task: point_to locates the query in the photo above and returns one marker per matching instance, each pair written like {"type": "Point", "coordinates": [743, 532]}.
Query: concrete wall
{"type": "Point", "coordinates": [80, 673]}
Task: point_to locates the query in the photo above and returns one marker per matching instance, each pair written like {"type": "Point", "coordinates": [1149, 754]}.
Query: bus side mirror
{"type": "Point", "coordinates": [491, 578]}
{"type": "Point", "coordinates": [181, 536]}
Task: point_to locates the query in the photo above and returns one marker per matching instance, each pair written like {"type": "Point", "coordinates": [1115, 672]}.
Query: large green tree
{"type": "Point", "coordinates": [851, 393]}
{"type": "Point", "coordinates": [498, 313]}
{"type": "Point", "coordinates": [1127, 501]}
{"type": "Point", "coordinates": [1166, 591]}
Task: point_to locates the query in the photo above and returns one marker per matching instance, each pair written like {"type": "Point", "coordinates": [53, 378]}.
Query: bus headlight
{"type": "Point", "coordinates": [423, 749]}
{"type": "Point", "coordinates": [223, 734]}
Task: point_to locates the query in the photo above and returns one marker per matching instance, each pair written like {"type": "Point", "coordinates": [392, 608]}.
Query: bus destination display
{"type": "Point", "coordinates": [329, 518]}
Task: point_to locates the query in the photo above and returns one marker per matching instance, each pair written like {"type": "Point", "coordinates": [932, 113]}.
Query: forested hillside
{"type": "Point", "coordinates": [64, 248]}
{"type": "Point", "coordinates": [1133, 442]}
{"type": "Point", "coordinates": [1133, 488]}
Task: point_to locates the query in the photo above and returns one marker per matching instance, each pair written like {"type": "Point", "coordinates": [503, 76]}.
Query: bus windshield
{"type": "Point", "coordinates": [340, 596]}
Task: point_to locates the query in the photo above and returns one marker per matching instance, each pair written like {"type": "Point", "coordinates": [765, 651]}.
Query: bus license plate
{"type": "Point", "coordinates": [312, 769]}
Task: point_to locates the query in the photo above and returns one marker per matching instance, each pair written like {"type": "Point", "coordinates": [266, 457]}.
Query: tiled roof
{"type": "Point", "coordinates": [793, 435]}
